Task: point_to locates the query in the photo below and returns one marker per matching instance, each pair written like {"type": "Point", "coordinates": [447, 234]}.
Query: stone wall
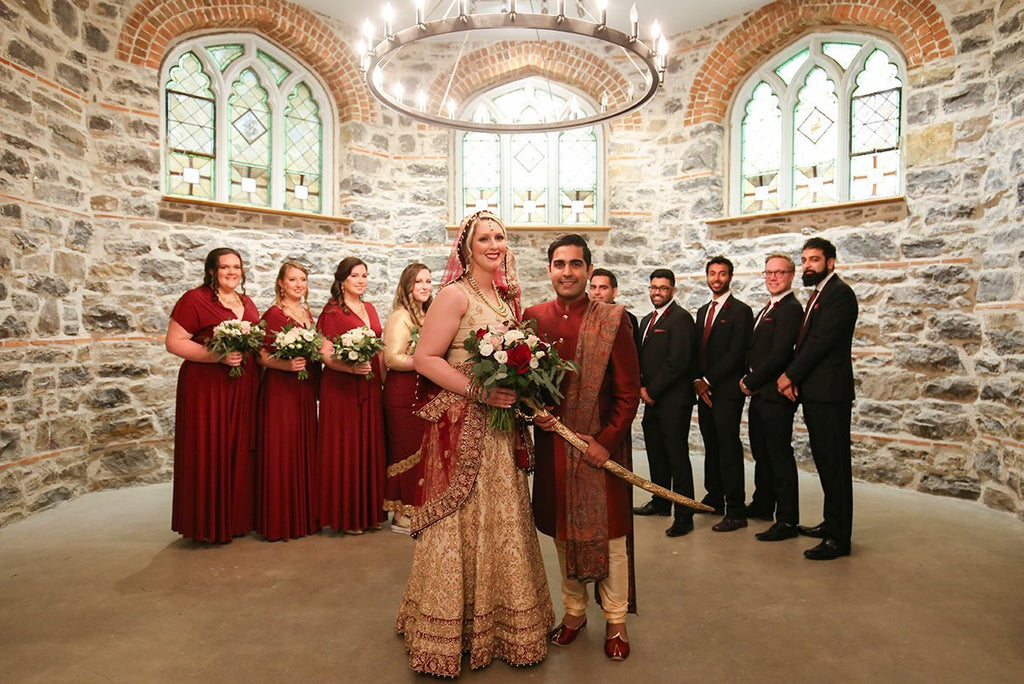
{"type": "Point", "coordinates": [92, 257]}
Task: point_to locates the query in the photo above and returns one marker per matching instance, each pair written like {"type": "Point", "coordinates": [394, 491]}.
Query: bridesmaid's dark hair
{"type": "Point", "coordinates": [213, 262]}
{"type": "Point", "coordinates": [344, 270]}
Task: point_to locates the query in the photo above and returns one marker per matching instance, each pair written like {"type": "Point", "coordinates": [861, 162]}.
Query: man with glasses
{"type": "Point", "coordinates": [667, 337]}
{"type": "Point", "coordinates": [771, 414]}
{"type": "Point", "coordinates": [723, 329]}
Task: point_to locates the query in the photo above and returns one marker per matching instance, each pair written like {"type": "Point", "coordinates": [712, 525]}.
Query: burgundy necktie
{"type": "Point", "coordinates": [764, 312]}
{"type": "Point", "coordinates": [650, 325]}
{"type": "Point", "coordinates": [707, 324]}
{"type": "Point", "coordinates": [807, 315]}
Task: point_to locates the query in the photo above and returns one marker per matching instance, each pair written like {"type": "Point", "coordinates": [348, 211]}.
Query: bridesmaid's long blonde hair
{"type": "Point", "coordinates": [281, 273]}
{"type": "Point", "coordinates": [403, 295]}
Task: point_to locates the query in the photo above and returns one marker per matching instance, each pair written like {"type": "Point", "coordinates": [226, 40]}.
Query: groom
{"type": "Point", "coordinates": [586, 509]}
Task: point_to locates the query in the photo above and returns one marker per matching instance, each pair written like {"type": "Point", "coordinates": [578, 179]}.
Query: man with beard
{"type": "Point", "coordinates": [723, 327]}
{"type": "Point", "coordinates": [604, 287]}
{"type": "Point", "coordinates": [771, 414]}
{"type": "Point", "coordinates": [821, 376]}
{"type": "Point", "coordinates": [666, 359]}
{"type": "Point", "coordinates": [585, 508]}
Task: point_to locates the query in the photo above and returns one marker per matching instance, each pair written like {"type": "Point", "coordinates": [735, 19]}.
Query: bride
{"type": "Point", "coordinates": [477, 583]}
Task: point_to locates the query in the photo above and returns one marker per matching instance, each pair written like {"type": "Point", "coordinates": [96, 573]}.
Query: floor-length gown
{"type": "Point", "coordinates": [286, 444]}
{"type": "Point", "coordinates": [403, 427]}
{"type": "Point", "coordinates": [477, 583]}
{"type": "Point", "coordinates": [214, 430]}
{"type": "Point", "coordinates": [349, 469]}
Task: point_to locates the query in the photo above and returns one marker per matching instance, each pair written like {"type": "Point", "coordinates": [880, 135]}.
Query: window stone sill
{"type": "Point", "coordinates": [224, 215]}
{"type": "Point", "coordinates": [795, 220]}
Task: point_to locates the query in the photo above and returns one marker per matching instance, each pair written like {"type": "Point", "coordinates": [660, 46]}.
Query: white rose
{"type": "Point", "coordinates": [531, 341]}
{"type": "Point", "coordinates": [538, 354]}
{"type": "Point", "coordinates": [308, 335]}
{"type": "Point", "coordinates": [501, 356]}
{"type": "Point", "coordinates": [486, 349]}
{"type": "Point", "coordinates": [245, 326]}
{"type": "Point", "coordinates": [534, 363]}
{"type": "Point", "coordinates": [513, 335]}
{"type": "Point", "coordinates": [353, 356]}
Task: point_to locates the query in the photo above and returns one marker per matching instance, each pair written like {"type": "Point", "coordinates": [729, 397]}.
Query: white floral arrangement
{"type": "Point", "coordinates": [296, 341]}
{"type": "Point", "coordinates": [234, 335]}
{"type": "Point", "coordinates": [358, 345]}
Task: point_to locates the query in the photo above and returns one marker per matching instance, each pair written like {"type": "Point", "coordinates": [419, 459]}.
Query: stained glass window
{"type": "Point", "coordinates": [246, 125]}
{"type": "Point", "coordinates": [536, 178]}
{"type": "Point", "coordinates": [819, 124]}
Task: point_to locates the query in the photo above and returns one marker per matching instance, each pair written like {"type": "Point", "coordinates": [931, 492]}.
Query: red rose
{"type": "Point", "coordinates": [480, 333]}
{"type": "Point", "coordinates": [519, 356]}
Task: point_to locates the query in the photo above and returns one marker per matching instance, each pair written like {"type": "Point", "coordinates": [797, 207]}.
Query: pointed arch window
{"type": "Point", "coordinates": [246, 124]}
{"type": "Point", "coordinates": [819, 124]}
{"type": "Point", "coordinates": [531, 178]}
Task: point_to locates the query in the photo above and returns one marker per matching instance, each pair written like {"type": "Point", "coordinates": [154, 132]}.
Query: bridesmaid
{"type": "Point", "coordinates": [287, 418]}
{"type": "Point", "coordinates": [350, 443]}
{"type": "Point", "coordinates": [214, 478]}
{"type": "Point", "coordinates": [405, 430]}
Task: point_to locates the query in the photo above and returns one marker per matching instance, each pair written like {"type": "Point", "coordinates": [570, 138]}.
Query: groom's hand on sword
{"type": "Point", "coordinates": [595, 455]}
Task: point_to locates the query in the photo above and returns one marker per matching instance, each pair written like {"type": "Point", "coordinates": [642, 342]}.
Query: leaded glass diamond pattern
{"type": "Point", "coordinates": [841, 134]}
{"type": "Point", "coordinates": [577, 160]}
{"type": "Point", "coordinates": [195, 149]}
{"type": "Point", "coordinates": [876, 122]}
{"type": "Point", "coordinates": [481, 160]}
{"type": "Point", "coordinates": [529, 159]}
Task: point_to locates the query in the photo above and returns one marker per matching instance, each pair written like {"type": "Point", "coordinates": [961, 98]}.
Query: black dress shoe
{"type": "Point", "coordinates": [828, 549]}
{"type": "Point", "coordinates": [729, 524]}
{"type": "Point", "coordinates": [681, 526]}
{"type": "Point", "coordinates": [651, 508]}
{"type": "Point", "coordinates": [818, 531]}
{"type": "Point", "coordinates": [778, 532]}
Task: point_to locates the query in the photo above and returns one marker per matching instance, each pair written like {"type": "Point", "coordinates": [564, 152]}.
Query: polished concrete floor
{"type": "Point", "coordinates": [100, 590]}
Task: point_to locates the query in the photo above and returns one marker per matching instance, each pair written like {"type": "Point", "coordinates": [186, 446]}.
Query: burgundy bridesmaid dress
{"type": "Point", "coordinates": [350, 440]}
{"type": "Point", "coordinates": [286, 444]}
{"type": "Point", "coordinates": [214, 431]}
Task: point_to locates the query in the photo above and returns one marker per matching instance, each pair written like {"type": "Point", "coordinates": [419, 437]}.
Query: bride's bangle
{"type": "Point", "coordinates": [473, 391]}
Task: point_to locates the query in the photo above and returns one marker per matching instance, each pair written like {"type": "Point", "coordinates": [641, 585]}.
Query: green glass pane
{"type": "Point", "coordinates": [761, 151]}
{"type": "Point", "coordinates": [578, 207]}
{"type": "Point", "coordinates": [250, 185]}
{"type": "Point", "coordinates": [875, 175]}
{"type": "Point", "coordinates": [189, 78]}
{"type": "Point", "coordinates": [529, 167]}
{"type": "Point", "coordinates": [577, 160]}
{"type": "Point", "coordinates": [276, 69]}
{"type": "Point", "coordinates": [225, 54]}
{"type": "Point", "coordinates": [249, 133]}
{"type": "Point", "coordinates": [303, 133]}
{"type": "Point", "coordinates": [302, 192]}
{"type": "Point", "coordinates": [791, 65]}
{"type": "Point", "coordinates": [879, 74]}
{"type": "Point", "coordinates": [843, 53]}
{"type": "Point", "coordinates": [481, 160]}
{"type": "Point", "coordinates": [190, 175]}
{"type": "Point", "coordinates": [815, 138]}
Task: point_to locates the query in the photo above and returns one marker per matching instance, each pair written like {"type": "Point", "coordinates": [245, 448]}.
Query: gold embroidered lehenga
{"type": "Point", "coordinates": [477, 583]}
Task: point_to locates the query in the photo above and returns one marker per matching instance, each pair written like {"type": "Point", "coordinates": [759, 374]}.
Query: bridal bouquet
{"type": "Point", "coordinates": [358, 345]}
{"type": "Point", "coordinates": [295, 341]}
{"type": "Point", "coordinates": [236, 335]}
{"type": "Point", "coordinates": [414, 339]}
{"type": "Point", "coordinates": [514, 357]}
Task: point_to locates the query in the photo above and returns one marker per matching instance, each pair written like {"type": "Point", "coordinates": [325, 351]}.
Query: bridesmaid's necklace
{"type": "Point", "coordinates": [297, 314]}
{"type": "Point", "coordinates": [501, 310]}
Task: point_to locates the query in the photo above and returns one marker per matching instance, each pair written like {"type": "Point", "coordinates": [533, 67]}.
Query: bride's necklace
{"type": "Point", "coordinates": [501, 310]}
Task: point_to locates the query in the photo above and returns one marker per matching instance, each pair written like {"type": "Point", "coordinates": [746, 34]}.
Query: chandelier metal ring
{"type": "Point", "coordinates": [387, 49]}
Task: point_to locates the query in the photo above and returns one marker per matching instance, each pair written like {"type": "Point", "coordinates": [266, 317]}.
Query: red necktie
{"type": "Point", "coordinates": [764, 312]}
{"type": "Point", "coordinates": [707, 323]}
{"type": "Point", "coordinates": [807, 315]}
{"type": "Point", "coordinates": [650, 325]}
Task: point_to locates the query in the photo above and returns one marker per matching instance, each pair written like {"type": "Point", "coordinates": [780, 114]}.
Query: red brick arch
{"type": "Point", "coordinates": [916, 26]}
{"type": "Point", "coordinates": [153, 24]}
{"type": "Point", "coordinates": [507, 61]}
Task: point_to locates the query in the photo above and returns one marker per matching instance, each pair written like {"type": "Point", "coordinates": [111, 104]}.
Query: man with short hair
{"type": "Point", "coordinates": [723, 331]}
{"type": "Point", "coordinates": [666, 358]}
{"type": "Point", "coordinates": [770, 418]}
{"type": "Point", "coordinates": [821, 376]}
{"type": "Point", "coordinates": [585, 508]}
{"type": "Point", "coordinates": [604, 287]}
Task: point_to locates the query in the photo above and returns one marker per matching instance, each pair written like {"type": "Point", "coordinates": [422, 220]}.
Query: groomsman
{"type": "Point", "coordinates": [771, 414]}
{"type": "Point", "coordinates": [666, 358]}
{"type": "Point", "coordinates": [604, 287]}
{"type": "Point", "coordinates": [723, 329]}
{"type": "Point", "coordinates": [821, 375]}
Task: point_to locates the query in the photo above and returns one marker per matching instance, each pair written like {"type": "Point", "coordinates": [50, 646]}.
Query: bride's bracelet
{"type": "Point", "coordinates": [474, 391]}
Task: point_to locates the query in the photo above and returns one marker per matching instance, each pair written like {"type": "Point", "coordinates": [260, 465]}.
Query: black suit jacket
{"type": "Point", "coordinates": [636, 329]}
{"type": "Point", "coordinates": [771, 348]}
{"type": "Point", "coordinates": [725, 355]}
{"type": "Point", "coordinates": [666, 356]}
{"type": "Point", "coordinates": [822, 367]}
